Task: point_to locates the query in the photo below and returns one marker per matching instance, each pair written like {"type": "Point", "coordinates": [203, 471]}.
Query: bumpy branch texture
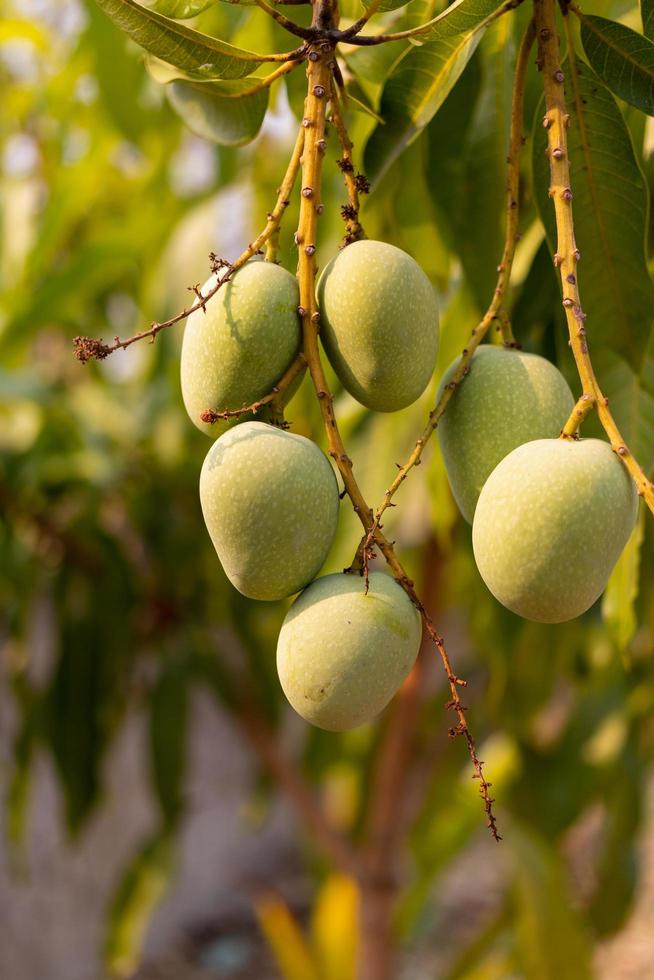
{"type": "Point", "coordinates": [320, 61]}
{"type": "Point", "coordinates": [566, 258]}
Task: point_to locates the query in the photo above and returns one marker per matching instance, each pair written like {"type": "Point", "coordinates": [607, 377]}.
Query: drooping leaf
{"type": "Point", "coordinates": [142, 887]}
{"type": "Point", "coordinates": [286, 939]}
{"type": "Point", "coordinates": [484, 164]}
{"type": "Point", "coordinates": [216, 111]}
{"type": "Point", "coordinates": [335, 927]}
{"type": "Point", "coordinates": [423, 77]}
{"type": "Point", "coordinates": [622, 58]}
{"type": "Point", "coordinates": [544, 910]}
{"type": "Point", "coordinates": [179, 9]}
{"type": "Point", "coordinates": [647, 15]}
{"type": "Point", "coordinates": [179, 45]}
{"type": "Point", "coordinates": [168, 730]}
{"type": "Point", "coordinates": [610, 209]}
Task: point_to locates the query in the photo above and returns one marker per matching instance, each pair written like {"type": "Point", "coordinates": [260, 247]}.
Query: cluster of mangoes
{"type": "Point", "coordinates": [550, 516]}
{"type": "Point", "coordinates": [270, 498]}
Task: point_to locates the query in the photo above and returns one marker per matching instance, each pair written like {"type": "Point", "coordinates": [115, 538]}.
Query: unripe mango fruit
{"type": "Point", "coordinates": [342, 654]}
{"type": "Point", "coordinates": [551, 522]}
{"type": "Point", "coordinates": [507, 398]}
{"type": "Point", "coordinates": [237, 350]}
{"type": "Point", "coordinates": [270, 503]}
{"type": "Point", "coordinates": [379, 324]}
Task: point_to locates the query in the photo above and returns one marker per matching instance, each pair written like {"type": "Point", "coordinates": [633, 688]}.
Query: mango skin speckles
{"type": "Point", "coordinates": [270, 502]}
{"type": "Point", "coordinates": [341, 654]}
{"type": "Point", "coordinates": [379, 324]}
{"type": "Point", "coordinates": [550, 524]}
{"type": "Point", "coordinates": [508, 398]}
{"type": "Point", "coordinates": [237, 350]}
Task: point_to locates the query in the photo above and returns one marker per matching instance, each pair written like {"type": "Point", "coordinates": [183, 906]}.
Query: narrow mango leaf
{"type": "Point", "coordinates": [647, 14]}
{"type": "Point", "coordinates": [143, 886]}
{"type": "Point", "coordinates": [622, 58]}
{"type": "Point", "coordinates": [610, 208]}
{"type": "Point", "coordinates": [358, 99]}
{"type": "Point", "coordinates": [179, 45]}
{"type": "Point", "coordinates": [484, 164]}
{"type": "Point", "coordinates": [179, 9]}
{"type": "Point", "coordinates": [168, 732]}
{"type": "Point", "coordinates": [618, 604]}
{"type": "Point", "coordinates": [334, 928]}
{"type": "Point", "coordinates": [544, 910]}
{"type": "Point", "coordinates": [423, 77]}
{"type": "Point", "coordinates": [286, 940]}
{"type": "Point", "coordinates": [631, 397]}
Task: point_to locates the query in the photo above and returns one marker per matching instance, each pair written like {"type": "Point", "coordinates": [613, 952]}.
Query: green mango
{"type": "Point", "coordinates": [550, 524]}
{"type": "Point", "coordinates": [379, 324]}
{"type": "Point", "coordinates": [508, 398]}
{"type": "Point", "coordinates": [236, 351]}
{"type": "Point", "coordinates": [270, 502]}
{"type": "Point", "coordinates": [342, 654]}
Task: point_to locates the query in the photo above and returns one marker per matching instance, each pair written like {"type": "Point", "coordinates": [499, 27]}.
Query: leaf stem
{"type": "Point", "coordinates": [567, 255]}
{"type": "Point", "coordinates": [495, 310]}
{"type": "Point", "coordinates": [285, 22]}
{"type": "Point", "coordinates": [89, 348]}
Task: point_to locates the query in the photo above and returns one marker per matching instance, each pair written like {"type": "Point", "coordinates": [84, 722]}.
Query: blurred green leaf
{"type": "Point", "coordinates": [619, 601]}
{"type": "Point", "coordinates": [229, 113]}
{"type": "Point", "coordinates": [647, 14]}
{"type": "Point", "coordinates": [622, 58]}
{"type": "Point", "coordinates": [180, 46]}
{"type": "Point", "coordinates": [423, 77]}
{"type": "Point", "coordinates": [551, 938]}
{"type": "Point", "coordinates": [142, 887]}
{"type": "Point", "coordinates": [168, 738]}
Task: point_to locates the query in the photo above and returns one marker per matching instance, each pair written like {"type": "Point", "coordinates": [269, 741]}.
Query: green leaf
{"type": "Point", "coordinates": [610, 209]}
{"type": "Point", "coordinates": [218, 113]}
{"type": "Point", "coordinates": [544, 911]}
{"type": "Point", "coordinates": [622, 58]}
{"type": "Point", "coordinates": [179, 9]}
{"type": "Point", "coordinates": [179, 45]}
{"type": "Point", "coordinates": [142, 887]}
{"type": "Point", "coordinates": [423, 77]}
{"type": "Point", "coordinates": [168, 731]}
{"type": "Point", "coordinates": [647, 14]}
{"type": "Point", "coordinates": [619, 601]}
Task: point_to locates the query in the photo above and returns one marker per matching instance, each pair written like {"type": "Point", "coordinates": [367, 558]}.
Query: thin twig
{"type": "Point", "coordinates": [368, 39]}
{"type": "Point", "coordinates": [495, 309]}
{"type": "Point", "coordinates": [211, 415]}
{"type": "Point", "coordinates": [87, 348]}
{"type": "Point", "coordinates": [566, 258]}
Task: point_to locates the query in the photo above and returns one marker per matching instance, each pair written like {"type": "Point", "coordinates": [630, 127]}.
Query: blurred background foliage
{"type": "Point", "coordinates": [111, 597]}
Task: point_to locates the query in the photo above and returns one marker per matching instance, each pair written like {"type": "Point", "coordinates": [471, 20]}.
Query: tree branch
{"type": "Point", "coordinates": [285, 22]}
{"type": "Point", "coordinates": [88, 348]}
{"type": "Point", "coordinates": [566, 258]}
{"type": "Point", "coordinates": [350, 211]}
{"type": "Point", "coordinates": [319, 82]}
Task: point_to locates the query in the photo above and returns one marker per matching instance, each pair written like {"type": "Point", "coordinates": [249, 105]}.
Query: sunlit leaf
{"type": "Point", "coordinates": [142, 887]}
{"type": "Point", "coordinates": [622, 58]}
{"type": "Point", "coordinates": [286, 939]}
{"type": "Point", "coordinates": [179, 45]}
{"type": "Point", "coordinates": [335, 928]}
{"type": "Point", "coordinates": [423, 77]}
